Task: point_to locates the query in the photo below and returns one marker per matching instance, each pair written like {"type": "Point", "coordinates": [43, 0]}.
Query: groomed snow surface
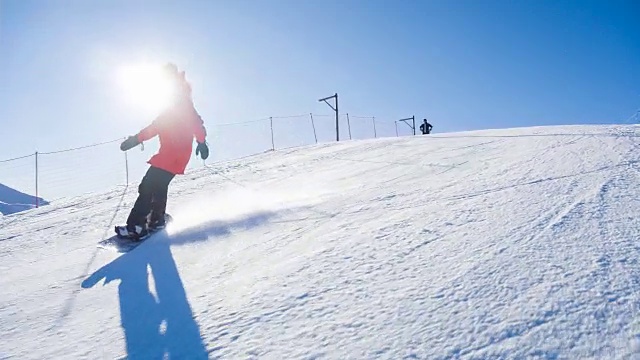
{"type": "Point", "coordinates": [516, 243]}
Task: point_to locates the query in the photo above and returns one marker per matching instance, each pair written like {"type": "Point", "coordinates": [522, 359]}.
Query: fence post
{"type": "Point", "coordinates": [273, 144]}
{"type": "Point", "coordinates": [349, 126]}
{"type": "Point", "coordinates": [375, 134]}
{"type": "Point", "coordinates": [126, 167]}
{"type": "Point", "coordinates": [37, 200]}
{"type": "Point", "coordinates": [314, 127]}
{"type": "Point", "coordinates": [414, 124]}
{"type": "Point", "coordinates": [337, 119]}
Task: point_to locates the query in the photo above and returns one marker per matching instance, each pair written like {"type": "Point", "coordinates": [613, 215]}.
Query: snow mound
{"type": "Point", "coordinates": [13, 201]}
{"type": "Point", "coordinates": [516, 243]}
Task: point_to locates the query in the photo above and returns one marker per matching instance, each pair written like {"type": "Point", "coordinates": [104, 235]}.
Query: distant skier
{"type": "Point", "coordinates": [176, 127]}
{"type": "Point", "coordinates": [426, 128]}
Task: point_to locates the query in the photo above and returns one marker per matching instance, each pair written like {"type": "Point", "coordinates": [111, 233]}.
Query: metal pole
{"type": "Point", "coordinates": [337, 120]}
{"type": "Point", "coordinates": [37, 200]}
{"type": "Point", "coordinates": [375, 135]}
{"type": "Point", "coordinates": [126, 166]}
{"type": "Point", "coordinates": [273, 144]}
{"type": "Point", "coordinates": [349, 126]}
{"type": "Point", "coordinates": [397, 128]}
{"type": "Point", "coordinates": [414, 125]}
{"type": "Point", "coordinates": [337, 113]}
{"type": "Point", "coordinates": [314, 128]}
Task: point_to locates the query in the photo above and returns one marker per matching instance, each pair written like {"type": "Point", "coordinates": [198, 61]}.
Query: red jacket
{"type": "Point", "coordinates": [176, 128]}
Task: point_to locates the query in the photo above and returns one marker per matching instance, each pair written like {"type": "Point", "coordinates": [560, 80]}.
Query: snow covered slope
{"type": "Point", "coordinates": [13, 201]}
{"type": "Point", "coordinates": [491, 244]}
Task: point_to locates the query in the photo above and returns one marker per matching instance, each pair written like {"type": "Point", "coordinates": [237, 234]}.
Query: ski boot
{"type": "Point", "coordinates": [159, 224]}
{"type": "Point", "coordinates": [132, 232]}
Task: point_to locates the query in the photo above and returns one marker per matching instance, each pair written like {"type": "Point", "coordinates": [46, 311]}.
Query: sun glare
{"type": "Point", "coordinates": [145, 86]}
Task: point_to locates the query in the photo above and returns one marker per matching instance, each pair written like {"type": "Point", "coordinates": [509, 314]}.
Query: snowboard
{"type": "Point", "coordinates": [123, 244]}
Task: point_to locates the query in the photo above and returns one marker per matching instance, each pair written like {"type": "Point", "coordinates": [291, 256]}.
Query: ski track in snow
{"type": "Point", "coordinates": [516, 243]}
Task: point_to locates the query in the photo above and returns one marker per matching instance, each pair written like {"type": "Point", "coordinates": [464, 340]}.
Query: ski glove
{"type": "Point", "coordinates": [202, 150]}
{"type": "Point", "coordinates": [131, 142]}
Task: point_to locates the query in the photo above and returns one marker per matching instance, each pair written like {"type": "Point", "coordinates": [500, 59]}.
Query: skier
{"type": "Point", "coordinates": [176, 127]}
{"type": "Point", "coordinates": [426, 127]}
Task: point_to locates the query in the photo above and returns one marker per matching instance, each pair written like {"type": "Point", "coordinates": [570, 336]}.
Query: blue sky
{"type": "Point", "coordinates": [464, 64]}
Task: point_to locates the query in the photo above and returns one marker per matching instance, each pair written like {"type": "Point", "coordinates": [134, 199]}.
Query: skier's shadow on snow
{"type": "Point", "coordinates": [154, 325]}
{"type": "Point", "coordinates": [161, 324]}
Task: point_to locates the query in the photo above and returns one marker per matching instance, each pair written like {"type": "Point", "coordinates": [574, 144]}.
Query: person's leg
{"type": "Point", "coordinates": [142, 206]}
{"type": "Point", "coordinates": [159, 201]}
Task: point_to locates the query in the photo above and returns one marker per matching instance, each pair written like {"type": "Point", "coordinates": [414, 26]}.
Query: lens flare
{"type": "Point", "coordinates": [146, 86]}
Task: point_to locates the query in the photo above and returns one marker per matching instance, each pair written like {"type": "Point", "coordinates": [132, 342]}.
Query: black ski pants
{"type": "Point", "coordinates": [152, 196]}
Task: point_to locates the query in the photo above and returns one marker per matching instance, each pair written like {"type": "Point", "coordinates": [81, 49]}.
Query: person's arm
{"type": "Point", "coordinates": [144, 135]}
{"type": "Point", "coordinates": [148, 132]}
{"type": "Point", "coordinates": [199, 130]}
{"type": "Point", "coordinates": [200, 133]}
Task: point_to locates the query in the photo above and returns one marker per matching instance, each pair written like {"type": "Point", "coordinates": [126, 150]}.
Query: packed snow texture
{"type": "Point", "coordinates": [13, 201]}
{"type": "Point", "coordinates": [491, 244]}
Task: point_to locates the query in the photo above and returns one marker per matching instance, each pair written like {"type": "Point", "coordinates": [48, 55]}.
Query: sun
{"type": "Point", "coordinates": [145, 86]}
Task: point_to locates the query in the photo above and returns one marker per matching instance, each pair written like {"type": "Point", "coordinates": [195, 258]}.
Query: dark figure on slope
{"type": "Point", "coordinates": [176, 127]}
{"type": "Point", "coordinates": [426, 127]}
